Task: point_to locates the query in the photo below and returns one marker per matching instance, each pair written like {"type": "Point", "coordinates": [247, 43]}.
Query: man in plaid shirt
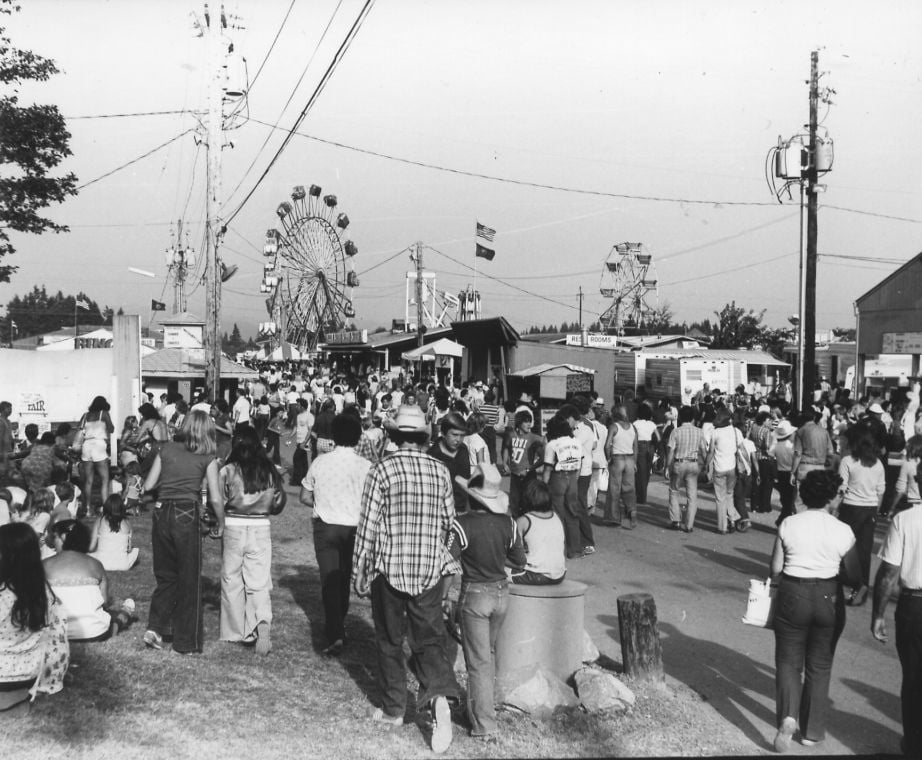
{"type": "Point", "coordinates": [401, 557]}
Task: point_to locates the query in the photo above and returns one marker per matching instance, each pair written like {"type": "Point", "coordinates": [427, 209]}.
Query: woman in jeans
{"type": "Point", "coordinates": [563, 455]}
{"type": "Point", "coordinates": [177, 474]}
{"type": "Point", "coordinates": [647, 444]}
{"type": "Point", "coordinates": [721, 468]}
{"type": "Point", "coordinates": [809, 609]}
{"type": "Point", "coordinates": [863, 486]}
{"type": "Point", "coordinates": [252, 490]}
{"type": "Point", "coordinates": [621, 450]}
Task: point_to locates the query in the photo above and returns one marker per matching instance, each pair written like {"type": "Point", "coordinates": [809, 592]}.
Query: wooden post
{"type": "Point", "coordinates": [641, 650]}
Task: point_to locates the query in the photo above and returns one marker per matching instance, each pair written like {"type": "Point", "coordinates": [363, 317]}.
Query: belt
{"type": "Point", "coordinates": [178, 502]}
{"type": "Point", "coordinates": [793, 579]}
{"type": "Point", "coordinates": [911, 592]}
{"type": "Point", "coordinates": [622, 455]}
{"type": "Point", "coordinates": [686, 459]}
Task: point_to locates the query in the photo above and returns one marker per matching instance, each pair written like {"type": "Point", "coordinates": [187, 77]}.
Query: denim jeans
{"type": "Point", "coordinates": [483, 609]}
{"type": "Point", "coordinates": [724, 483]}
{"type": "Point", "coordinates": [333, 546]}
{"type": "Point", "coordinates": [419, 617]}
{"type": "Point", "coordinates": [176, 604]}
{"type": "Point", "coordinates": [785, 494]}
{"type": "Point", "coordinates": [684, 473]}
{"type": "Point", "coordinates": [762, 497]}
{"type": "Point", "coordinates": [246, 580]}
{"type": "Point", "coordinates": [621, 471]}
{"type": "Point", "coordinates": [742, 490]}
{"type": "Point", "coordinates": [644, 468]}
{"type": "Point", "coordinates": [565, 501]}
{"type": "Point", "coordinates": [909, 648]}
{"type": "Point", "coordinates": [809, 618]}
{"type": "Point", "coordinates": [862, 521]}
{"type": "Point", "coordinates": [583, 512]}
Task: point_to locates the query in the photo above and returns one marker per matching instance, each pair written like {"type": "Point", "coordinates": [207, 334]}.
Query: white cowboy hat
{"type": "Point", "coordinates": [409, 419]}
{"type": "Point", "coordinates": [484, 485]}
{"type": "Point", "coordinates": [876, 409]}
{"type": "Point", "coordinates": [784, 430]}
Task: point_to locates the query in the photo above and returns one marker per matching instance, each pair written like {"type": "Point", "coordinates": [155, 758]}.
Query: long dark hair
{"type": "Point", "coordinates": [256, 469]}
{"type": "Point", "coordinates": [113, 509]}
{"type": "Point", "coordinates": [22, 572]}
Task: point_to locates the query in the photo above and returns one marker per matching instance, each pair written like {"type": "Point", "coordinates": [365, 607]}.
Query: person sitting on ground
{"type": "Point", "coordinates": [81, 583]}
{"type": "Point", "coordinates": [486, 540]}
{"type": "Point", "coordinates": [132, 485]}
{"type": "Point", "coordinates": [36, 511]}
{"type": "Point", "coordinates": [66, 508]}
{"type": "Point", "coordinates": [542, 535]}
{"type": "Point", "coordinates": [37, 466]}
{"type": "Point", "coordinates": [110, 542]}
{"type": "Point", "coordinates": [34, 653]}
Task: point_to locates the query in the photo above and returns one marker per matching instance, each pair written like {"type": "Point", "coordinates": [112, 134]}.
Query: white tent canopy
{"type": "Point", "coordinates": [441, 347]}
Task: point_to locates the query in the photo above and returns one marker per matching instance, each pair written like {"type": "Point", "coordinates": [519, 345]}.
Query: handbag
{"type": "Point", "coordinates": [760, 607]}
{"type": "Point", "coordinates": [79, 436]}
{"type": "Point", "coordinates": [743, 465]}
{"type": "Point", "coordinates": [280, 498]}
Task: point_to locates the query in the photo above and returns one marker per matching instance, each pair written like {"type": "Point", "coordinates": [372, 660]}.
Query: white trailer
{"type": "Point", "coordinates": [681, 378]}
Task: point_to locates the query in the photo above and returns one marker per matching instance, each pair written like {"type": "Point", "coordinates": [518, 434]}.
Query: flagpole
{"type": "Point", "coordinates": [75, 323]}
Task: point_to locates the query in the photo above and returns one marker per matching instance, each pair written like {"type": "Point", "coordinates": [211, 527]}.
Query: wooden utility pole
{"type": "Point", "coordinates": [808, 330]}
{"type": "Point", "coordinates": [213, 30]}
{"type": "Point", "coordinates": [420, 327]}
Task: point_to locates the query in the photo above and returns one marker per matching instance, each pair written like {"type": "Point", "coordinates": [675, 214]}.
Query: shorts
{"type": "Point", "coordinates": [94, 450]}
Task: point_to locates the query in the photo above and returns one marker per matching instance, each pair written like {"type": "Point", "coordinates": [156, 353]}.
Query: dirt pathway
{"type": "Point", "coordinates": [700, 582]}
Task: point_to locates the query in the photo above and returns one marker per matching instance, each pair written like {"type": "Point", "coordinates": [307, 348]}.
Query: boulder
{"type": "Point", "coordinates": [590, 650]}
{"type": "Point", "coordinates": [600, 691]}
{"type": "Point", "coordinates": [541, 694]}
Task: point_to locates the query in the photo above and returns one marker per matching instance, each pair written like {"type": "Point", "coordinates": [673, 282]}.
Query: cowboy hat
{"type": "Point", "coordinates": [409, 419]}
{"type": "Point", "coordinates": [876, 408]}
{"type": "Point", "coordinates": [484, 486]}
{"type": "Point", "coordinates": [525, 398]}
{"type": "Point", "coordinates": [784, 430]}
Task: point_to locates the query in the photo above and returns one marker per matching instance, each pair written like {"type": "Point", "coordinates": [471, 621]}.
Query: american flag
{"type": "Point", "coordinates": [485, 232]}
{"type": "Point", "coordinates": [84, 304]}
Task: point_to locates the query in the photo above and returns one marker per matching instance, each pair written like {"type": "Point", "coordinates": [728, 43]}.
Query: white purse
{"type": "Point", "coordinates": [760, 606]}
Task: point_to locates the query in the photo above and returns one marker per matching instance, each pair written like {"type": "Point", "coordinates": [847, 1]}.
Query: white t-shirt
{"type": "Point", "coordinates": [336, 480]}
{"type": "Point", "coordinates": [565, 454]}
{"type": "Point", "coordinates": [903, 546]}
{"type": "Point", "coordinates": [725, 442]}
{"type": "Point", "coordinates": [477, 449]}
{"type": "Point", "coordinates": [241, 410]}
{"type": "Point", "coordinates": [645, 429]}
{"type": "Point", "coordinates": [586, 436]}
{"type": "Point", "coordinates": [814, 543]}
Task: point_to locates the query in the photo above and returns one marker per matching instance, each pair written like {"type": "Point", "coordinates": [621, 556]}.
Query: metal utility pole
{"type": "Point", "coordinates": [179, 260]}
{"type": "Point", "coordinates": [808, 329]}
{"type": "Point", "coordinates": [420, 327]}
{"type": "Point", "coordinates": [213, 30]}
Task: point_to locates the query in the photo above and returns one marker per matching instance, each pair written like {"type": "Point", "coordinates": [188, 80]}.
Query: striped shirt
{"type": "Point", "coordinates": [686, 442]}
{"type": "Point", "coordinates": [407, 512]}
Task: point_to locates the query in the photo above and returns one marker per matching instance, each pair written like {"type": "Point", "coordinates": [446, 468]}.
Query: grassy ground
{"type": "Point", "coordinates": [124, 701]}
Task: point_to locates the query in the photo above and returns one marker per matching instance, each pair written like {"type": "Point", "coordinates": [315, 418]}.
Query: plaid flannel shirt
{"type": "Point", "coordinates": [407, 512]}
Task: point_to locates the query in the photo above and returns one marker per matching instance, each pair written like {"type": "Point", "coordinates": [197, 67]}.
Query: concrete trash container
{"type": "Point", "coordinates": [543, 629]}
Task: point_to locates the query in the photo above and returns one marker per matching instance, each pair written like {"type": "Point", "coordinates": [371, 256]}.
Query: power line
{"type": "Point", "coordinates": [271, 48]}
{"type": "Point", "coordinates": [287, 102]}
{"type": "Point", "coordinates": [134, 160]}
{"type": "Point", "coordinates": [344, 46]}
{"type": "Point", "coordinates": [870, 213]}
{"type": "Point", "coordinates": [126, 115]}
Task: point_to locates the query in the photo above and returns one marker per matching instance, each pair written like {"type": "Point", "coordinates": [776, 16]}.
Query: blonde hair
{"type": "Point", "coordinates": [199, 431]}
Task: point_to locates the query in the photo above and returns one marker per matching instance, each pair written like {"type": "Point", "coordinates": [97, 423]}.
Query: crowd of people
{"type": "Point", "coordinates": [404, 482]}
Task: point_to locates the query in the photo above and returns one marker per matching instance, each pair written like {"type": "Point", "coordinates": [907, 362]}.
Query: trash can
{"type": "Point", "coordinates": [543, 629]}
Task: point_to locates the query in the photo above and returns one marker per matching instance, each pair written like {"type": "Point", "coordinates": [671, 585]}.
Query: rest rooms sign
{"type": "Point", "coordinates": [902, 343]}
{"type": "Point", "coordinates": [346, 337]}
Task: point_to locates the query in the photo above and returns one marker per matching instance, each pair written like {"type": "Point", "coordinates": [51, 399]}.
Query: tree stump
{"type": "Point", "coordinates": [641, 650]}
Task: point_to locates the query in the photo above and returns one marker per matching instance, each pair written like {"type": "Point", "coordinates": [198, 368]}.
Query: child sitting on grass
{"type": "Point", "coordinates": [110, 541]}
{"type": "Point", "coordinates": [486, 539]}
{"type": "Point", "coordinates": [542, 534]}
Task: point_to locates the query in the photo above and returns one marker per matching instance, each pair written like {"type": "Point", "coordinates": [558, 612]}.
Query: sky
{"type": "Point", "coordinates": [566, 127]}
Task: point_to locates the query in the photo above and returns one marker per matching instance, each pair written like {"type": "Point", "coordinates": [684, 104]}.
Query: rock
{"type": "Point", "coordinates": [599, 691]}
{"type": "Point", "coordinates": [590, 650]}
{"type": "Point", "coordinates": [541, 694]}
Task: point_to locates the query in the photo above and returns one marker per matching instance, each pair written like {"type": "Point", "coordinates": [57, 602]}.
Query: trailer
{"type": "Point", "coordinates": [682, 378]}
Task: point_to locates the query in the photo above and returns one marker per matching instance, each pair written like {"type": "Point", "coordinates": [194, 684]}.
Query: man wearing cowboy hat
{"type": "Point", "coordinates": [485, 539]}
{"type": "Point", "coordinates": [401, 557]}
{"type": "Point", "coordinates": [782, 450]}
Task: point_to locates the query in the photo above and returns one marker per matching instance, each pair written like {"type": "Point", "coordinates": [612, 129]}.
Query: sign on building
{"type": "Point", "coordinates": [902, 343]}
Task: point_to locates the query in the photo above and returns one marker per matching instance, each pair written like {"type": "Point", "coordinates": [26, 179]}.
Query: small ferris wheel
{"type": "Point", "coordinates": [310, 276]}
{"type": "Point", "coordinates": [629, 280]}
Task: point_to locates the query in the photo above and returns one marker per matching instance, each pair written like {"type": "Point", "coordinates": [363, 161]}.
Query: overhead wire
{"type": "Point", "coordinates": [287, 102]}
{"type": "Point", "coordinates": [271, 48]}
{"type": "Point", "coordinates": [134, 160]}
{"type": "Point", "coordinates": [341, 51]}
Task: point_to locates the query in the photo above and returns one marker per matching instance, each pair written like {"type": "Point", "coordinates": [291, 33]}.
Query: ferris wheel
{"type": "Point", "coordinates": [629, 280]}
{"type": "Point", "coordinates": [310, 276]}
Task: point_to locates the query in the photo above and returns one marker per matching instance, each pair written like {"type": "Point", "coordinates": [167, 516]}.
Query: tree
{"type": "Point", "coordinates": [737, 328]}
{"type": "Point", "coordinates": [37, 312]}
{"type": "Point", "coordinates": [33, 141]}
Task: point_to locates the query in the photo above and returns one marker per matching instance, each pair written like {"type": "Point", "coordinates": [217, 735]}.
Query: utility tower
{"type": "Point", "coordinates": [179, 260]}
{"type": "Point", "coordinates": [213, 27]}
{"type": "Point", "coordinates": [801, 160]}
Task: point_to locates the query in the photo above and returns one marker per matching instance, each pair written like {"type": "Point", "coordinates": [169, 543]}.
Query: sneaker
{"type": "Point", "coordinates": [675, 526]}
{"type": "Point", "coordinates": [785, 733]}
{"type": "Point", "coordinates": [441, 725]}
{"type": "Point", "coordinates": [377, 715]}
{"type": "Point", "coordinates": [153, 640]}
{"type": "Point", "coordinates": [588, 550]}
{"type": "Point", "coordinates": [128, 606]}
{"type": "Point", "coordinates": [808, 742]}
{"type": "Point", "coordinates": [743, 525]}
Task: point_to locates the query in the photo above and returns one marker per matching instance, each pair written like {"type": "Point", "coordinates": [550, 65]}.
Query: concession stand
{"type": "Point", "coordinates": [550, 386]}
